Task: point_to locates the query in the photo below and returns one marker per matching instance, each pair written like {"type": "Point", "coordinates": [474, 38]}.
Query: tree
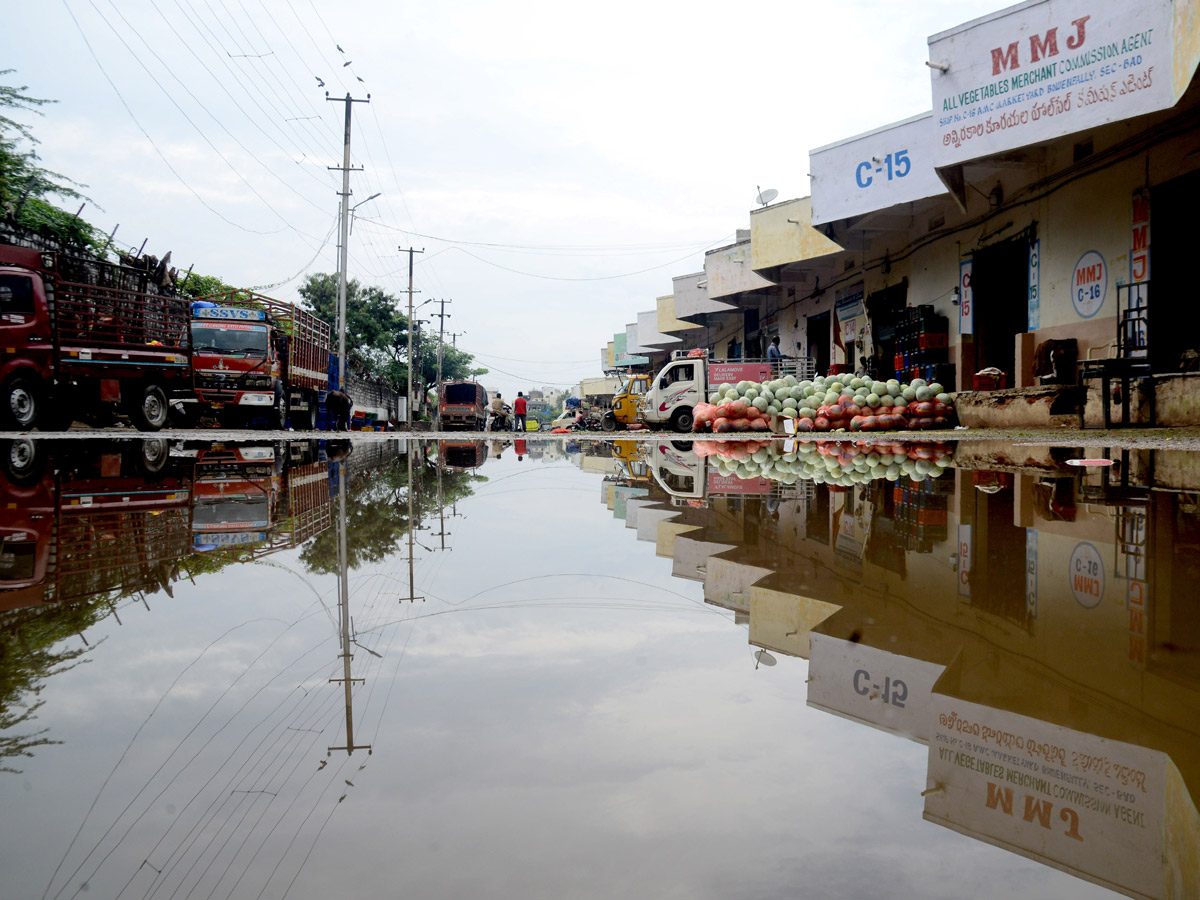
{"type": "Point", "coordinates": [374, 323]}
{"type": "Point", "coordinates": [377, 511]}
{"type": "Point", "coordinates": [377, 334]}
{"type": "Point", "coordinates": [25, 184]}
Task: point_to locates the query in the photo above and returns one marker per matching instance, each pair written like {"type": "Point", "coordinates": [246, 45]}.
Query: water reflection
{"type": "Point", "coordinates": [1033, 622]}
{"type": "Point", "coordinates": [1026, 624]}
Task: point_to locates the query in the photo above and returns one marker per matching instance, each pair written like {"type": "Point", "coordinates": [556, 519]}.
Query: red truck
{"type": "Point", "coordinates": [82, 337]}
{"type": "Point", "coordinates": [261, 497]}
{"type": "Point", "coordinates": [78, 522]}
{"type": "Point", "coordinates": [462, 406]}
{"type": "Point", "coordinates": [259, 359]}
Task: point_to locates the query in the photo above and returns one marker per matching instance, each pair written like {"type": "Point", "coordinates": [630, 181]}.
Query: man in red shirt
{"type": "Point", "coordinates": [519, 412]}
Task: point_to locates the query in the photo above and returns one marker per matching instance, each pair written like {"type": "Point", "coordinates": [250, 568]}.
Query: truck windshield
{"type": "Point", "coordinates": [248, 339]}
{"type": "Point", "coordinates": [228, 511]}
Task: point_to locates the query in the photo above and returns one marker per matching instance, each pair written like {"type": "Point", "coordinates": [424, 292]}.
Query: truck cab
{"type": "Point", "coordinates": [236, 361]}
{"type": "Point", "coordinates": [676, 390]}
{"type": "Point", "coordinates": [236, 494]}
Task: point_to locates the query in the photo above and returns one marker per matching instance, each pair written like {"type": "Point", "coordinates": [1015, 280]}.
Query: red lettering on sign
{"type": "Point", "coordinates": [1038, 809]}
{"type": "Point", "coordinates": [998, 796]}
{"type": "Point", "coordinates": [1005, 59]}
{"type": "Point", "coordinates": [1046, 45]}
{"type": "Point", "coordinates": [1075, 41]}
{"type": "Point", "coordinates": [1141, 237]}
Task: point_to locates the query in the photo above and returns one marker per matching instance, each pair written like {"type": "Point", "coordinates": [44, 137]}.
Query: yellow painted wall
{"type": "Point", "coordinates": [1187, 43]}
{"type": "Point", "coordinates": [782, 621]}
{"type": "Point", "coordinates": [667, 323]}
{"type": "Point", "coordinates": [776, 241]}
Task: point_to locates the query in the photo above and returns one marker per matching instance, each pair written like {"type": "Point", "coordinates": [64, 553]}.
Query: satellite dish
{"type": "Point", "coordinates": [765, 197]}
{"type": "Point", "coordinates": [763, 658]}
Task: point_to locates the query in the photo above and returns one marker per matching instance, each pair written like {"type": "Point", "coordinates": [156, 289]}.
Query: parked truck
{"type": "Point", "coordinates": [688, 379]}
{"type": "Point", "coordinates": [259, 359]}
{"type": "Point", "coordinates": [84, 338]}
{"type": "Point", "coordinates": [462, 406]}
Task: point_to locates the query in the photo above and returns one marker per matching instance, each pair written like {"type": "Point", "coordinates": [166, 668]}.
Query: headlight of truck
{"type": "Point", "coordinates": [258, 381]}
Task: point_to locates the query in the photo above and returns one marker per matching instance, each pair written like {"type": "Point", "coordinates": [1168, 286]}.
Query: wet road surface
{"type": "Point", "coordinates": [251, 665]}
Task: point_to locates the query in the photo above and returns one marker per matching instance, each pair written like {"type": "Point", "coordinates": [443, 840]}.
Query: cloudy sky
{"type": "Point", "coordinates": [558, 163]}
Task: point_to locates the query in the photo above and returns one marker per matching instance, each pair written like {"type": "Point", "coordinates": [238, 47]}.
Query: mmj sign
{"type": "Point", "coordinates": [1046, 69]}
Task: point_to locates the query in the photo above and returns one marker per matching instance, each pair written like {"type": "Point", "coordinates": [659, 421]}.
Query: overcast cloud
{"type": "Point", "coordinates": [539, 152]}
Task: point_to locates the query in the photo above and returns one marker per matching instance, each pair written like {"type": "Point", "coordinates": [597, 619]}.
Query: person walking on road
{"type": "Point", "coordinates": [519, 412]}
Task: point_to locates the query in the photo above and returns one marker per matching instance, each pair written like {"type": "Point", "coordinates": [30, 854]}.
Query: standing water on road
{"type": "Point", "coordinates": [543, 668]}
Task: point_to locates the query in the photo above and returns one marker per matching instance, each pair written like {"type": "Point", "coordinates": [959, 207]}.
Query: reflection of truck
{"type": "Point", "coordinates": [455, 456]}
{"type": "Point", "coordinates": [687, 477]}
{"type": "Point", "coordinates": [84, 337]}
{"type": "Point", "coordinates": [687, 380]}
{"type": "Point", "coordinates": [265, 496]}
{"type": "Point", "coordinates": [462, 406]}
{"type": "Point", "coordinates": [255, 357]}
{"type": "Point", "coordinates": [83, 521]}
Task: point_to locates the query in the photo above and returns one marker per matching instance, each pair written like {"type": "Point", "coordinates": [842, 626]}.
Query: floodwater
{"type": "Point", "coordinates": [545, 669]}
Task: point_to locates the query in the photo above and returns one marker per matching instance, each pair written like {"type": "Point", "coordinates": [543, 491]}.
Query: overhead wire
{"type": "Point", "coordinates": [242, 178]}
{"type": "Point", "coordinates": [151, 141]}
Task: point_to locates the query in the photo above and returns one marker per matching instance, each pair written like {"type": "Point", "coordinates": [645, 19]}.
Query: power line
{"type": "Point", "coordinates": [157, 149]}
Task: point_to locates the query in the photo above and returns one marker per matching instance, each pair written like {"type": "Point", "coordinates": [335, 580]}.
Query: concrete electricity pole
{"type": "Point", "coordinates": [344, 237]}
{"type": "Point", "coordinates": [442, 316]}
{"type": "Point", "coordinates": [409, 366]}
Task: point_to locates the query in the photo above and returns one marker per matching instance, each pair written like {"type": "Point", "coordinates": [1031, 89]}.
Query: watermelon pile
{"type": "Point", "coordinates": [828, 403]}
{"type": "Point", "coordinates": [839, 463]}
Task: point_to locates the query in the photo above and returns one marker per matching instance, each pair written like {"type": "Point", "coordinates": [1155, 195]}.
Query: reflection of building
{"type": "Point", "coordinates": [1034, 626]}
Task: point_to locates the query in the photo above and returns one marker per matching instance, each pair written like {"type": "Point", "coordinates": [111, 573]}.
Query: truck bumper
{"type": "Point", "coordinates": [256, 400]}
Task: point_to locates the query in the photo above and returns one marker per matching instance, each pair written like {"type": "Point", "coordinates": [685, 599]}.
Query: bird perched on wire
{"type": "Point", "coordinates": [320, 83]}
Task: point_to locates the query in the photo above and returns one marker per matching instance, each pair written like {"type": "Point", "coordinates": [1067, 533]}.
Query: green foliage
{"type": "Point", "coordinates": [24, 184]}
{"type": "Point", "coordinates": [374, 324]}
{"type": "Point", "coordinates": [377, 334]}
{"type": "Point", "coordinates": [377, 512]}
{"type": "Point", "coordinates": [196, 286]}
{"type": "Point", "coordinates": [28, 656]}
{"type": "Point", "coordinates": [59, 226]}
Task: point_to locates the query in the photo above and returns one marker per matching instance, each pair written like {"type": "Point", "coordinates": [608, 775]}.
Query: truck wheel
{"type": "Point", "coordinates": [279, 413]}
{"type": "Point", "coordinates": [23, 465]}
{"type": "Point", "coordinates": [681, 419]}
{"type": "Point", "coordinates": [22, 402]}
{"type": "Point", "coordinates": [153, 455]}
{"type": "Point", "coordinates": [609, 422]}
{"type": "Point", "coordinates": [149, 409]}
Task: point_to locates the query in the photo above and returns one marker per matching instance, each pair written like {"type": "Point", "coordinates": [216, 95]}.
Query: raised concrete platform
{"type": "Point", "coordinates": [1049, 406]}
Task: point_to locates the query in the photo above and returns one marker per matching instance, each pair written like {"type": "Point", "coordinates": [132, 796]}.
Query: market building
{"type": "Point", "coordinates": [1001, 241]}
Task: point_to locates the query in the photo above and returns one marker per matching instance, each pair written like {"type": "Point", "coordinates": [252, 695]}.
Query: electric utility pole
{"type": "Point", "coordinates": [344, 614]}
{"type": "Point", "coordinates": [344, 236]}
{"type": "Point", "coordinates": [442, 316]}
{"type": "Point", "coordinates": [409, 399]}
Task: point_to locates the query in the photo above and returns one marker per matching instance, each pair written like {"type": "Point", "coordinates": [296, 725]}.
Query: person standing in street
{"type": "Point", "coordinates": [519, 412]}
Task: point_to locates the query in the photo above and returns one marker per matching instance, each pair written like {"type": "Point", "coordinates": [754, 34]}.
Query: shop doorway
{"type": "Point", "coordinates": [1173, 327]}
{"type": "Point", "coordinates": [885, 308]}
{"type": "Point", "coordinates": [818, 342]}
{"type": "Point", "coordinates": [1000, 284]}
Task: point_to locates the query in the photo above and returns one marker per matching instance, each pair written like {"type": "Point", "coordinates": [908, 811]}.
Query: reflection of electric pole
{"type": "Point", "coordinates": [344, 613]}
{"type": "Point", "coordinates": [441, 510]}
